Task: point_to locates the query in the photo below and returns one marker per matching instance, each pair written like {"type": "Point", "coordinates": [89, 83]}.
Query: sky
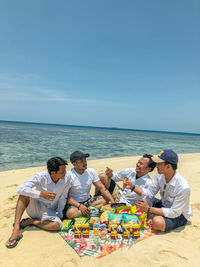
{"type": "Point", "coordinates": [109, 63]}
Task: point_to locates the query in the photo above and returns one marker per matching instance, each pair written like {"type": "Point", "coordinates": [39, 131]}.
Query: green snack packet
{"type": "Point", "coordinates": [66, 225]}
{"type": "Point", "coordinates": [80, 220]}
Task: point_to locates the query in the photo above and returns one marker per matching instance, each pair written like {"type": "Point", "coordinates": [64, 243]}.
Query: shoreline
{"type": "Point", "coordinates": [180, 247]}
{"type": "Point", "coordinates": [88, 160]}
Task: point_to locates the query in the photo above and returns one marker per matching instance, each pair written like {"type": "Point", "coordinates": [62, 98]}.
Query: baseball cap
{"type": "Point", "coordinates": [166, 155]}
{"type": "Point", "coordinates": [76, 155]}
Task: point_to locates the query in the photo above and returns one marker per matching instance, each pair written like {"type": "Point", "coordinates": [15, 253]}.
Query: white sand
{"type": "Point", "coordinates": [39, 248]}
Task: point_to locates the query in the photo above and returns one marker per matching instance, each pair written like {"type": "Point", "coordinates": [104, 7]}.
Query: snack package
{"type": "Point", "coordinates": [136, 231]}
{"type": "Point", "coordinates": [104, 217]}
{"type": "Point", "coordinates": [85, 230]}
{"type": "Point", "coordinates": [123, 209]}
{"type": "Point", "coordinates": [107, 208]}
{"type": "Point", "coordinates": [66, 225]}
{"type": "Point", "coordinates": [127, 229]}
{"type": "Point", "coordinates": [133, 209]}
{"type": "Point", "coordinates": [77, 230]}
{"type": "Point", "coordinates": [117, 205]}
{"type": "Point", "coordinates": [80, 220]}
{"type": "Point", "coordinates": [130, 219]}
{"type": "Point", "coordinates": [93, 220]}
{"type": "Point", "coordinates": [93, 211]}
{"type": "Point", "coordinates": [96, 227]}
{"type": "Point", "coordinates": [113, 232]}
{"type": "Point", "coordinates": [114, 219]}
{"type": "Point", "coordinates": [142, 220]}
{"type": "Point", "coordinates": [142, 216]}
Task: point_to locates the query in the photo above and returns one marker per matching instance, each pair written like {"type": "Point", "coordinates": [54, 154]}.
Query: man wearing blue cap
{"type": "Point", "coordinates": [173, 210]}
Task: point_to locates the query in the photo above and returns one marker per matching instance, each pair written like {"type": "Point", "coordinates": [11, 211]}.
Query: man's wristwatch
{"type": "Point", "coordinates": [133, 188]}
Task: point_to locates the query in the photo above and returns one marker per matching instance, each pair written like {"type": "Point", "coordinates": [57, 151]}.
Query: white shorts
{"type": "Point", "coordinates": [36, 211]}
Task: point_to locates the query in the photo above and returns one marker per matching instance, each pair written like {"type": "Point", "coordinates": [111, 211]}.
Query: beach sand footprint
{"type": "Point", "coordinates": [13, 198]}
{"type": "Point", "coordinates": [196, 206]}
{"type": "Point", "coordinates": [174, 256]}
{"type": "Point", "coordinates": [12, 185]}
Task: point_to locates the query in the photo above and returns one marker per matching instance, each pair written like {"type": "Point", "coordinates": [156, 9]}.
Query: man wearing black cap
{"type": "Point", "coordinates": [79, 194]}
{"type": "Point", "coordinates": [173, 210]}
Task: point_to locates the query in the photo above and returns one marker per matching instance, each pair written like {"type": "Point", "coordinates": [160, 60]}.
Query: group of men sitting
{"type": "Point", "coordinates": [55, 194]}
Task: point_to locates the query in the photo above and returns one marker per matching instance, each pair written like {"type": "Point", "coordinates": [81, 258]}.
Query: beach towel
{"type": "Point", "coordinates": [97, 247]}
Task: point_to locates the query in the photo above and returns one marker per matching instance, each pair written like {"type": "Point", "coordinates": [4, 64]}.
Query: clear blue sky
{"type": "Point", "coordinates": [113, 63]}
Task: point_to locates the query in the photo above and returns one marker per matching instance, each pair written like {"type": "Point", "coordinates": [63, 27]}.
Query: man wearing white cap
{"type": "Point", "coordinates": [173, 210]}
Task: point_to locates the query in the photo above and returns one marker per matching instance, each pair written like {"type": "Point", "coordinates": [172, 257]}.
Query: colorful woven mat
{"type": "Point", "coordinates": [96, 247]}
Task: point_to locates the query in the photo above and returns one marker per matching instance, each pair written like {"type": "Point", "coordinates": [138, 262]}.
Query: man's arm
{"type": "Point", "coordinates": [83, 209]}
{"type": "Point", "coordinates": [104, 192]}
{"type": "Point", "coordinates": [129, 185]}
{"type": "Point", "coordinates": [25, 189]}
{"type": "Point", "coordinates": [144, 206]}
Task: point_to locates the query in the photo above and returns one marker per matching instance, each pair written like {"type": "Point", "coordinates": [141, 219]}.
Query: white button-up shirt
{"type": "Point", "coordinates": [175, 195]}
{"type": "Point", "coordinates": [42, 182]}
{"type": "Point", "coordinates": [127, 196]}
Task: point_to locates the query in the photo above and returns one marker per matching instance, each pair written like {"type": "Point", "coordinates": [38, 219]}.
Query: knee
{"type": "Point", "coordinates": [24, 199]}
{"type": "Point", "coordinates": [72, 213]}
{"type": "Point", "coordinates": [158, 223]}
{"type": "Point", "coordinates": [56, 226]}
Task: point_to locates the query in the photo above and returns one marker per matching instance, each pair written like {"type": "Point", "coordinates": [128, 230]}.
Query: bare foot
{"type": "Point", "coordinates": [26, 222]}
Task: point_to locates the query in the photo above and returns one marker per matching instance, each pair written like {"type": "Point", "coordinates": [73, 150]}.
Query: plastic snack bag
{"type": "Point", "coordinates": [123, 209]}
{"type": "Point", "coordinates": [130, 219]}
{"type": "Point", "coordinates": [80, 220]}
{"type": "Point", "coordinates": [66, 225]}
{"type": "Point", "coordinates": [93, 211]}
{"type": "Point", "coordinates": [114, 219]}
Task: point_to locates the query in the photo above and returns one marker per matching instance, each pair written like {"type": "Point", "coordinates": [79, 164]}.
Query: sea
{"type": "Point", "coordinates": [24, 145]}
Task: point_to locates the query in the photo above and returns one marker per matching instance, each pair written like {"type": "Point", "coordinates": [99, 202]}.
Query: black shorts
{"type": "Point", "coordinates": [170, 223]}
{"type": "Point", "coordinates": [86, 203]}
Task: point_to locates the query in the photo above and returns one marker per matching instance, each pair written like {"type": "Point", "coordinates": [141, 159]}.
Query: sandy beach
{"type": "Point", "coordinates": [40, 248]}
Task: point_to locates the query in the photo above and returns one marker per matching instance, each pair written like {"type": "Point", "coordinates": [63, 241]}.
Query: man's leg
{"type": "Point", "coordinates": [73, 212]}
{"type": "Point", "coordinates": [158, 224]}
{"type": "Point", "coordinates": [105, 180]}
{"type": "Point", "coordinates": [43, 224]}
{"type": "Point", "coordinates": [22, 203]}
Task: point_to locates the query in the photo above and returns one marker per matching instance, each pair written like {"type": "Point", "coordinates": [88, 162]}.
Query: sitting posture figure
{"type": "Point", "coordinates": [82, 178]}
{"type": "Point", "coordinates": [45, 203]}
{"type": "Point", "coordinates": [173, 210]}
{"type": "Point", "coordinates": [138, 176]}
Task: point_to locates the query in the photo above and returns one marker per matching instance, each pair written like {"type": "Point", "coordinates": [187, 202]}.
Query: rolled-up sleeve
{"type": "Point", "coordinates": [117, 176]}
{"type": "Point", "coordinates": [179, 205]}
{"type": "Point", "coordinates": [25, 189]}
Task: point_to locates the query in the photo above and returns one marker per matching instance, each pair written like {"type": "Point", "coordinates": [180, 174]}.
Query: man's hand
{"type": "Point", "coordinates": [142, 205]}
{"type": "Point", "coordinates": [127, 183]}
{"type": "Point", "coordinates": [109, 172]}
{"type": "Point", "coordinates": [48, 195]}
{"type": "Point", "coordinates": [84, 210]}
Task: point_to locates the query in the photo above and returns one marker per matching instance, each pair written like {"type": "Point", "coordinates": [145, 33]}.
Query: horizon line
{"type": "Point", "coordinates": [102, 127]}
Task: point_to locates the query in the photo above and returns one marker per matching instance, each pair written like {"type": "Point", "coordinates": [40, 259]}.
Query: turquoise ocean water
{"type": "Point", "coordinates": [24, 145]}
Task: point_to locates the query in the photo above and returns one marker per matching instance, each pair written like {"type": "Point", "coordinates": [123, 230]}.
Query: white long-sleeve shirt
{"type": "Point", "coordinates": [175, 195]}
{"type": "Point", "coordinates": [127, 196]}
{"type": "Point", "coordinates": [42, 182]}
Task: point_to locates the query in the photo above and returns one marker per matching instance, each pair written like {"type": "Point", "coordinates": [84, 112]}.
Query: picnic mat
{"type": "Point", "coordinates": [97, 247]}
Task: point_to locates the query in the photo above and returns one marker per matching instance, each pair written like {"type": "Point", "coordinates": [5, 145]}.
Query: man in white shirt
{"type": "Point", "coordinates": [82, 178]}
{"type": "Point", "coordinates": [45, 203]}
{"type": "Point", "coordinates": [138, 176]}
{"type": "Point", "coordinates": [173, 210]}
